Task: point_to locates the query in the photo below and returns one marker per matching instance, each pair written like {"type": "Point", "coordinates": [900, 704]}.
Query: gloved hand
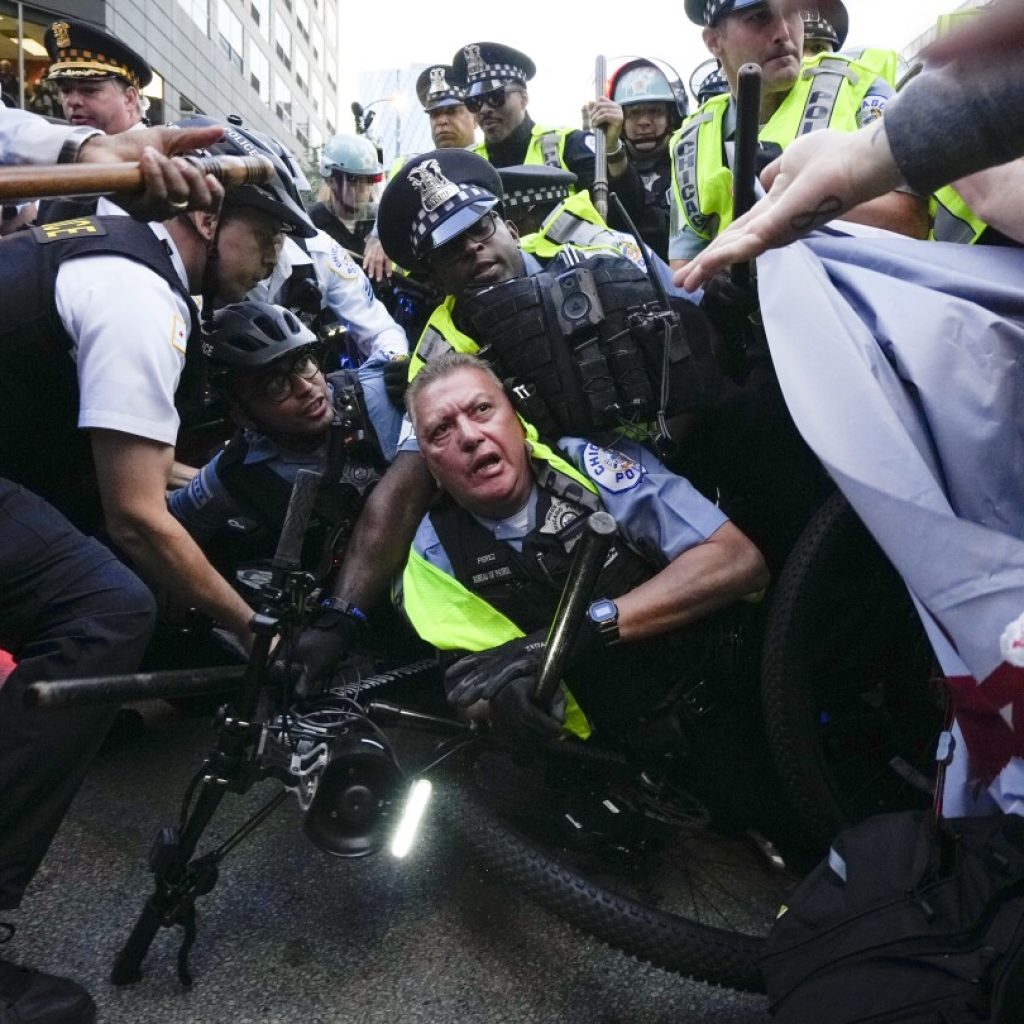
{"type": "Point", "coordinates": [309, 663]}
{"type": "Point", "coordinates": [731, 308]}
{"type": "Point", "coordinates": [506, 677]}
{"type": "Point", "coordinates": [396, 380]}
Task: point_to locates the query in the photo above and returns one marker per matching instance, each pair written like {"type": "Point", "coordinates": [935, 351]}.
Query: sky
{"type": "Point", "coordinates": [563, 39]}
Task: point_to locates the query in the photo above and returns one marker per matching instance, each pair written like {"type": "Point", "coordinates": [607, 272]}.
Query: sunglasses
{"type": "Point", "coordinates": [495, 100]}
{"type": "Point", "coordinates": [450, 253]}
{"type": "Point", "coordinates": [280, 384]}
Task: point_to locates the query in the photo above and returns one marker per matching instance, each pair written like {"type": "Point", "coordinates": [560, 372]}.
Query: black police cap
{"type": "Point", "coordinates": [439, 86]}
{"type": "Point", "coordinates": [433, 199]}
{"type": "Point", "coordinates": [828, 20]}
{"type": "Point", "coordinates": [707, 12]}
{"type": "Point", "coordinates": [80, 52]}
{"type": "Point", "coordinates": [485, 67]}
{"type": "Point", "coordinates": [529, 185]}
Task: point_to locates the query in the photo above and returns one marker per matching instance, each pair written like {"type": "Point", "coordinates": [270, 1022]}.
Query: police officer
{"type": "Point", "coordinates": [291, 416]}
{"type": "Point", "coordinates": [441, 215]}
{"type": "Point", "coordinates": [825, 31]}
{"type": "Point", "coordinates": [99, 78]}
{"type": "Point", "coordinates": [89, 422]}
{"type": "Point", "coordinates": [100, 81]}
{"type": "Point", "coordinates": [442, 95]}
{"type": "Point", "coordinates": [653, 103]}
{"type": "Point", "coordinates": [532, 192]}
{"type": "Point", "coordinates": [353, 173]}
{"type": "Point", "coordinates": [489, 561]}
{"type": "Point", "coordinates": [496, 77]}
{"type": "Point", "coordinates": [796, 98]}
{"type": "Point", "coordinates": [707, 80]}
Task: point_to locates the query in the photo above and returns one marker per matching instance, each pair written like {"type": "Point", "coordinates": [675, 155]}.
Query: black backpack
{"type": "Point", "coordinates": [905, 922]}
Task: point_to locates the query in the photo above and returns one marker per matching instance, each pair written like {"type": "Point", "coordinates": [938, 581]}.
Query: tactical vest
{"type": "Point", "coordinates": [40, 443]}
{"type": "Point", "coordinates": [828, 94]}
{"type": "Point", "coordinates": [546, 146]}
{"type": "Point", "coordinates": [350, 473]}
{"type": "Point", "coordinates": [525, 586]}
{"type": "Point", "coordinates": [451, 615]}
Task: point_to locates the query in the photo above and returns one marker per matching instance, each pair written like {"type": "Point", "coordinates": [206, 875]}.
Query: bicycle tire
{"type": "Point", "coordinates": [549, 876]}
{"type": "Point", "coordinates": [850, 690]}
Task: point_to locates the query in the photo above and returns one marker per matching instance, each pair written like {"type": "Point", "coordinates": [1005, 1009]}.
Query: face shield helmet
{"type": "Point", "coordinates": [647, 90]}
{"type": "Point", "coordinates": [354, 174]}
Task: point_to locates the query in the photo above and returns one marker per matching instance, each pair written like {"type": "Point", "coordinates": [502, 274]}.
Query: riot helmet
{"type": "Point", "coordinates": [636, 86]}
{"type": "Point", "coordinates": [354, 174]}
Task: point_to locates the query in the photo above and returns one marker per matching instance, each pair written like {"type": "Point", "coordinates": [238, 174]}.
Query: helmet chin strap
{"type": "Point", "coordinates": [208, 290]}
{"type": "Point", "coordinates": [654, 151]}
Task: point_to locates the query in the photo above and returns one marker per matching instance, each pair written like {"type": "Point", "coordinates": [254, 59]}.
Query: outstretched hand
{"type": "Point", "coordinates": [171, 184]}
{"type": "Point", "coordinates": [818, 178]}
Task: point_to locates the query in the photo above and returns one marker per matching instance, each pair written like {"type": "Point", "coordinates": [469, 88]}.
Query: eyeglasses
{"type": "Point", "coordinates": [495, 100]}
{"type": "Point", "coordinates": [280, 384]}
{"type": "Point", "coordinates": [450, 253]}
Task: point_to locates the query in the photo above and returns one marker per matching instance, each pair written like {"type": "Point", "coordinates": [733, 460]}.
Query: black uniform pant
{"type": "Point", "coordinates": [68, 608]}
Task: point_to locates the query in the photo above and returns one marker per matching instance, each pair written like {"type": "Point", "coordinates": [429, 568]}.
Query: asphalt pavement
{"type": "Point", "coordinates": [291, 935]}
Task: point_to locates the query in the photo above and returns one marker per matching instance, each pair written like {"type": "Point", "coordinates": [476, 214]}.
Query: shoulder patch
{"type": "Point", "coordinates": [179, 334]}
{"type": "Point", "coordinates": [342, 264]}
{"type": "Point", "coordinates": [78, 227]}
{"type": "Point", "coordinates": [610, 469]}
{"type": "Point", "coordinates": [872, 108]}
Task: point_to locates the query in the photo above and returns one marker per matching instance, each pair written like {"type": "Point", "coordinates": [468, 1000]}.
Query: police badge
{"type": "Point", "coordinates": [474, 62]}
{"type": "Point", "coordinates": [438, 83]}
{"type": "Point", "coordinates": [434, 188]}
{"type": "Point", "coordinates": [61, 34]}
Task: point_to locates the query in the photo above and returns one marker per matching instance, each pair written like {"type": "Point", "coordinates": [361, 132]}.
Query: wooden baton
{"type": "Point", "coordinates": [44, 182]}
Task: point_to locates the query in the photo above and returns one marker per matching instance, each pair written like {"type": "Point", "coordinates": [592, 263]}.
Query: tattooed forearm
{"type": "Point", "coordinates": [822, 214]}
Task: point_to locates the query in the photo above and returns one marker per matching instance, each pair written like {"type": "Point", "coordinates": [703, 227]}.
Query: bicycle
{"type": "Point", "coordinates": [646, 870]}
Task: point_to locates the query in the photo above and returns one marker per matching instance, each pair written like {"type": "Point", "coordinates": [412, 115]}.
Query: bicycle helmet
{"type": "Point", "coordinates": [278, 197]}
{"type": "Point", "coordinates": [350, 154]}
{"type": "Point", "coordinates": [251, 335]}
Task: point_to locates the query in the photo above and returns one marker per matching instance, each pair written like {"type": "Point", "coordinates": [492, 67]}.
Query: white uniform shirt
{"type": "Point", "coordinates": [128, 330]}
{"type": "Point", "coordinates": [27, 138]}
{"type": "Point", "coordinates": [346, 291]}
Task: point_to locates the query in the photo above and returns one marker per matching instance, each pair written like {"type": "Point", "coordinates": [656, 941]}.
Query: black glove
{"type": "Point", "coordinates": [506, 677]}
{"type": "Point", "coordinates": [396, 380]}
{"type": "Point", "coordinates": [727, 303]}
{"type": "Point", "coordinates": [310, 662]}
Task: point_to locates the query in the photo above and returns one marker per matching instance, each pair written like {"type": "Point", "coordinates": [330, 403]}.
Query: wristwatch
{"type": "Point", "coordinates": [604, 614]}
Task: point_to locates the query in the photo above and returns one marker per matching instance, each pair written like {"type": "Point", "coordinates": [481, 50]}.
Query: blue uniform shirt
{"type": "Point", "coordinates": [660, 514]}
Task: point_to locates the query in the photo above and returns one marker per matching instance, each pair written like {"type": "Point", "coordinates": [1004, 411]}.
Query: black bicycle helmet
{"type": "Point", "coordinates": [251, 335]}
{"type": "Point", "coordinates": [279, 196]}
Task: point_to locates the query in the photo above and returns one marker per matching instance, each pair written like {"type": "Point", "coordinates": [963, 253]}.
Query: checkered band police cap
{"type": "Point", "coordinates": [829, 20]}
{"type": "Point", "coordinates": [433, 199]}
{"type": "Point", "coordinates": [707, 12]}
{"type": "Point", "coordinates": [439, 86]}
{"type": "Point", "coordinates": [532, 184]}
{"type": "Point", "coordinates": [488, 66]}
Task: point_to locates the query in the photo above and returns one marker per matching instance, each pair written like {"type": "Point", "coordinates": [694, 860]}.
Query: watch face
{"type": "Point", "coordinates": [604, 611]}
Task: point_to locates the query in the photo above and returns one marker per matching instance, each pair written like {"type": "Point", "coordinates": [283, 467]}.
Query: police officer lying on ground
{"type": "Point", "coordinates": [88, 422]}
{"type": "Point", "coordinates": [443, 215]}
{"type": "Point", "coordinates": [489, 561]}
{"type": "Point", "coordinates": [291, 417]}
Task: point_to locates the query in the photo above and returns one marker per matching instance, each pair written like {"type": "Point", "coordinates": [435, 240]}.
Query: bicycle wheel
{"type": "Point", "coordinates": [852, 693]}
{"type": "Point", "coordinates": [637, 865]}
